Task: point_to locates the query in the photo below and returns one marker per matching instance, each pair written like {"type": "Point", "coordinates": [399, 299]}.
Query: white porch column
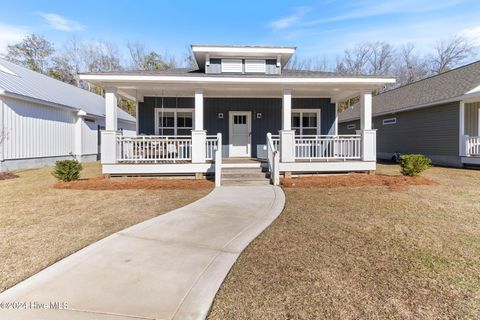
{"type": "Point", "coordinates": [109, 136]}
{"type": "Point", "coordinates": [335, 124]}
{"type": "Point", "coordinates": [368, 135]}
{"type": "Point", "coordinates": [111, 102]}
{"type": "Point", "coordinates": [78, 135]}
{"type": "Point", "coordinates": [461, 134]}
{"type": "Point", "coordinates": [287, 135]}
{"type": "Point", "coordinates": [366, 110]}
{"type": "Point", "coordinates": [199, 136]}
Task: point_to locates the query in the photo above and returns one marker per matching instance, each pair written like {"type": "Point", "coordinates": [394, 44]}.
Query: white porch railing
{"type": "Point", "coordinates": [276, 141]}
{"type": "Point", "coordinates": [472, 145]}
{"type": "Point", "coordinates": [273, 158]}
{"type": "Point", "coordinates": [328, 147]}
{"type": "Point", "coordinates": [211, 145]}
{"type": "Point", "coordinates": [154, 148]}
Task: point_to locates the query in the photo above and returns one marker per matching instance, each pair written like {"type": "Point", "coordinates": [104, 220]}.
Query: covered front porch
{"type": "Point", "coordinates": [189, 125]}
{"type": "Point", "coordinates": [470, 131]}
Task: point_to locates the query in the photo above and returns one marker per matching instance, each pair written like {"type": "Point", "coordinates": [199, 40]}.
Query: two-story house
{"type": "Point", "coordinates": [241, 102]}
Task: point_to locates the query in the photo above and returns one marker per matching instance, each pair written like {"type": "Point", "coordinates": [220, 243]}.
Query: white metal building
{"type": "Point", "coordinates": [43, 120]}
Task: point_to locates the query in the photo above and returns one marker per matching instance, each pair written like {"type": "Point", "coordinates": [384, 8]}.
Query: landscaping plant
{"type": "Point", "coordinates": [413, 164]}
{"type": "Point", "coordinates": [67, 170]}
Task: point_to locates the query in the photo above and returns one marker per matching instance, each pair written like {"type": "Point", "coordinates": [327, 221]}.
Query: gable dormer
{"type": "Point", "coordinates": [242, 59]}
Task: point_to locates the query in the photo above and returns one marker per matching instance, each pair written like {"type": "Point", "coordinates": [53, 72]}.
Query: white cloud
{"type": "Point", "coordinates": [10, 34]}
{"type": "Point", "coordinates": [290, 20]}
{"type": "Point", "coordinates": [61, 23]}
{"type": "Point", "coordinates": [472, 34]}
{"type": "Point", "coordinates": [367, 8]}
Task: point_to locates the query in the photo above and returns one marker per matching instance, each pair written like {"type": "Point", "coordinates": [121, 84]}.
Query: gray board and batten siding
{"type": "Point", "coordinates": [270, 121]}
{"type": "Point", "coordinates": [431, 131]}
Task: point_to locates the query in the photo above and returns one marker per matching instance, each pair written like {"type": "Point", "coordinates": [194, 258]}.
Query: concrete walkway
{"type": "Point", "coordinates": [168, 267]}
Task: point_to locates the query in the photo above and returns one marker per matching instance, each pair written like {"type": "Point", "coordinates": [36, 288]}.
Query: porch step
{"type": "Point", "coordinates": [245, 176]}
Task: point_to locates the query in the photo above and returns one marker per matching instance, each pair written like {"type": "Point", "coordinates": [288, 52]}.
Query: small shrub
{"type": "Point", "coordinates": [67, 170]}
{"type": "Point", "coordinates": [413, 164]}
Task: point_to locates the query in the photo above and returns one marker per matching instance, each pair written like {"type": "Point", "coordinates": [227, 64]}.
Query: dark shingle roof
{"type": "Point", "coordinates": [429, 91]}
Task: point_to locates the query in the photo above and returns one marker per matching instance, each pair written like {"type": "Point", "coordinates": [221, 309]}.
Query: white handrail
{"type": "Point", "coordinates": [472, 144]}
{"type": "Point", "coordinates": [218, 161]}
{"type": "Point", "coordinates": [153, 148]}
{"type": "Point", "coordinates": [273, 158]}
{"type": "Point", "coordinates": [328, 147]}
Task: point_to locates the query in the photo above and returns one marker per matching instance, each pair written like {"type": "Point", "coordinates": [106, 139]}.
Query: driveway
{"type": "Point", "coordinates": [169, 267]}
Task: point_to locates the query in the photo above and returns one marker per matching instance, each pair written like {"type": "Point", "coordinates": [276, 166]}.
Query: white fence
{"type": "Point", "coordinates": [472, 145]}
{"type": "Point", "coordinates": [154, 148]}
{"type": "Point", "coordinates": [328, 147]}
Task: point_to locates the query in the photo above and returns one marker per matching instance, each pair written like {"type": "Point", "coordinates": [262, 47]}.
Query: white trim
{"type": "Point", "coordinates": [335, 130]}
{"type": "Point", "coordinates": [327, 166]}
{"type": "Point", "coordinates": [212, 79]}
{"type": "Point", "coordinates": [230, 132]}
{"type": "Point", "coordinates": [301, 111]}
{"type": "Point", "coordinates": [233, 49]}
{"type": "Point", "coordinates": [476, 89]}
{"type": "Point", "coordinates": [136, 117]}
{"type": "Point", "coordinates": [143, 169]}
{"type": "Point", "coordinates": [175, 111]}
{"type": "Point", "coordinates": [389, 121]}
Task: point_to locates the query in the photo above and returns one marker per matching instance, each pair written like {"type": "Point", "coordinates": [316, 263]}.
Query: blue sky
{"type": "Point", "coordinates": [317, 28]}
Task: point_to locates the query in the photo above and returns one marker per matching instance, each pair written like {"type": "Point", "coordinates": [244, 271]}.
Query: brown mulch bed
{"type": "Point", "coordinates": [103, 183]}
{"type": "Point", "coordinates": [7, 175]}
{"type": "Point", "coordinates": [357, 180]}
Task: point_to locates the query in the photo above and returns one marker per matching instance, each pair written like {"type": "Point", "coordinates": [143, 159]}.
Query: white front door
{"type": "Point", "coordinates": [240, 134]}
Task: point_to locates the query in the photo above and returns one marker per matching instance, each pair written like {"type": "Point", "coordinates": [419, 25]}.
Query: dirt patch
{"type": "Point", "coordinates": [357, 180]}
{"type": "Point", "coordinates": [102, 183]}
{"type": "Point", "coordinates": [7, 175]}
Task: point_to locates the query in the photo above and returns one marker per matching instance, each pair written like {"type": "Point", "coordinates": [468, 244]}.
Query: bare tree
{"type": "Point", "coordinates": [381, 57]}
{"type": "Point", "coordinates": [409, 66]}
{"type": "Point", "coordinates": [450, 53]}
{"type": "Point", "coordinates": [316, 63]}
{"type": "Point", "coordinates": [137, 54]}
{"type": "Point", "coordinates": [33, 52]}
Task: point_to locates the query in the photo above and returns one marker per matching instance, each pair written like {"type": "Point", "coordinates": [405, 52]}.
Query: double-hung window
{"type": "Point", "coordinates": [170, 122]}
{"type": "Point", "coordinates": [306, 122]}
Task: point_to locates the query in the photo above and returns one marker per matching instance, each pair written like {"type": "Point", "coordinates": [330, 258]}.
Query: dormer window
{"type": "Point", "coordinates": [232, 65]}
{"type": "Point", "coordinates": [255, 66]}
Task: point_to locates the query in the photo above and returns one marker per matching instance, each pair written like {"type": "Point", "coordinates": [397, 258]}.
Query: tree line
{"type": "Point", "coordinates": [77, 56]}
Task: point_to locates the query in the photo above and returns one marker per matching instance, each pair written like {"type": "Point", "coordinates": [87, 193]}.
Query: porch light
{"type": "Point", "coordinates": [220, 115]}
{"type": "Point", "coordinates": [259, 115]}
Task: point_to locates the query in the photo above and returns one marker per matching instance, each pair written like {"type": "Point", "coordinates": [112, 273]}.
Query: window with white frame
{"type": "Point", "coordinates": [173, 121]}
{"type": "Point", "coordinates": [306, 122]}
{"type": "Point", "coordinates": [255, 66]}
{"type": "Point", "coordinates": [389, 121]}
{"type": "Point", "coordinates": [351, 126]}
{"type": "Point", "coordinates": [232, 65]}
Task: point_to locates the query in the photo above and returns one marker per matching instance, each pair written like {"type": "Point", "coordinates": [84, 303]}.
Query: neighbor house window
{"type": "Point", "coordinates": [232, 65]}
{"type": "Point", "coordinates": [306, 122]}
{"type": "Point", "coordinates": [351, 126]}
{"type": "Point", "coordinates": [173, 121]}
{"type": "Point", "coordinates": [389, 121]}
{"type": "Point", "coordinates": [255, 66]}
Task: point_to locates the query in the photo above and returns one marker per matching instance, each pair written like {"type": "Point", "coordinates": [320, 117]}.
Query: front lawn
{"type": "Point", "coordinates": [364, 253]}
{"type": "Point", "coordinates": [40, 224]}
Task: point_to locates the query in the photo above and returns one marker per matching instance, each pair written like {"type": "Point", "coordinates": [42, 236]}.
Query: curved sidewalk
{"type": "Point", "coordinates": [168, 267]}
